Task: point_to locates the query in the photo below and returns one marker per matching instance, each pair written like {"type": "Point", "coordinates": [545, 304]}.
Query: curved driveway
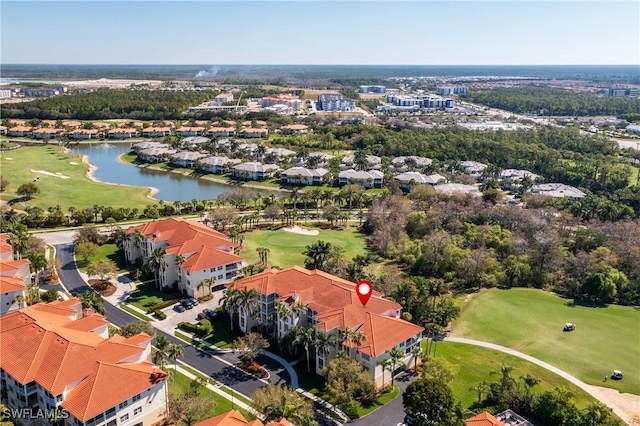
{"type": "Point", "coordinates": [218, 366]}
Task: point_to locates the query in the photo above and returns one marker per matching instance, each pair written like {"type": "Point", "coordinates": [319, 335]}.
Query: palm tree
{"type": "Point", "coordinates": [262, 253]}
{"type": "Point", "coordinates": [119, 236]}
{"type": "Point", "coordinates": [596, 414]}
{"type": "Point", "coordinates": [138, 239]}
{"type": "Point", "coordinates": [162, 346]}
{"type": "Point", "coordinates": [157, 264]}
{"type": "Point", "coordinates": [207, 283]}
{"type": "Point", "coordinates": [304, 337]}
{"type": "Point", "coordinates": [385, 364]}
{"type": "Point", "coordinates": [416, 350]}
{"type": "Point", "coordinates": [38, 262]}
{"type": "Point", "coordinates": [180, 259]}
{"type": "Point", "coordinates": [247, 300]}
{"type": "Point", "coordinates": [18, 241]}
{"type": "Point", "coordinates": [175, 351]}
{"type": "Point", "coordinates": [282, 312]}
{"type": "Point", "coordinates": [481, 388]}
{"type": "Point", "coordinates": [529, 382]}
{"type": "Point", "coordinates": [505, 371]}
{"type": "Point", "coordinates": [395, 357]}
{"type": "Point", "coordinates": [229, 302]}
{"type": "Point", "coordinates": [324, 342]}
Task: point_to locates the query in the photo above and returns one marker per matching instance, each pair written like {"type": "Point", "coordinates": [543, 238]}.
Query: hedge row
{"type": "Point", "coordinates": [162, 305]}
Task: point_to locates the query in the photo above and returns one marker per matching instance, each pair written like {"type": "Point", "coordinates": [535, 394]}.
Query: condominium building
{"type": "Point", "coordinates": [372, 89]}
{"type": "Point", "coordinates": [14, 276]}
{"type": "Point", "coordinates": [452, 90]}
{"type": "Point", "coordinates": [55, 357]}
{"type": "Point", "coordinates": [193, 252]}
{"type": "Point", "coordinates": [420, 101]}
{"type": "Point", "coordinates": [303, 176]}
{"type": "Point", "coordinates": [254, 171]}
{"type": "Point", "coordinates": [370, 179]}
{"type": "Point", "coordinates": [408, 180]}
{"type": "Point", "coordinates": [330, 305]}
{"type": "Point", "coordinates": [558, 190]}
{"type": "Point", "coordinates": [334, 102]}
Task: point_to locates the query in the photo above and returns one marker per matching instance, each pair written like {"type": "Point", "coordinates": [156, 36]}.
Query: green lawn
{"type": "Point", "coordinates": [109, 252]}
{"type": "Point", "coordinates": [531, 321]}
{"type": "Point", "coordinates": [78, 191]}
{"type": "Point", "coordinates": [221, 337]}
{"type": "Point", "coordinates": [286, 247]}
{"type": "Point", "coordinates": [179, 383]}
{"type": "Point", "coordinates": [134, 312]}
{"type": "Point", "coordinates": [474, 365]}
{"type": "Point", "coordinates": [147, 296]}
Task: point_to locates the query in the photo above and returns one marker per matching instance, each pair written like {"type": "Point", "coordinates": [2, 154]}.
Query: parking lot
{"type": "Point", "coordinates": [190, 315]}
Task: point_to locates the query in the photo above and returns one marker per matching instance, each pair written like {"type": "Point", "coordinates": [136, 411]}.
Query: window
{"type": "Point", "coordinates": [364, 356]}
{"type": "Point", "coordinates": [137, 411]}
{"type": "Point", "coordinates": [124, 418]}
{"type": "Point", "coordinates": [110, 412]}
{"type": "Point", "coordinates": [212, 269]}
{"type": "Point", "coordinates": [220, 276]}
{"type": "Point", "coordinates": [123, 404]}
{"type": "Point", "coordinates": [136, 397]}
{"type": "Point", "coordinates": [220, 268]}
{"type": "Point", "coordinates": [111, 423]}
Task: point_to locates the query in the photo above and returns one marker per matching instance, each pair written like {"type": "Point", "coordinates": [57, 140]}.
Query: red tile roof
{"type": "Point", "coordinates": [483, 419]}
{"type": "Point", "coordinates": [202, 246]}
{"type": "Point", "coordinates": [336, 305]}
{"type": "Point", "coordinates": [44, 343]}
{"type": "Point", "coordinates": [229, 418]}
{"type": "Point", "coordinates": [9, 285]}
{"type": "Point", "coordinates": [9, 267]}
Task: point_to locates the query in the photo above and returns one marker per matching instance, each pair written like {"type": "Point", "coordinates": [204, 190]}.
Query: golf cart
{"type": "Point", "coordinates": [616, 375]}
{"type": "Point", "coordinates": [569, 327]}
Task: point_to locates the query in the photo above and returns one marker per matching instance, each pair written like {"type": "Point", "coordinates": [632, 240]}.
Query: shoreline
{"type": "Point", "coordinates": [209, 178]}
{"type": "Point", "coordinates": [153, 191]}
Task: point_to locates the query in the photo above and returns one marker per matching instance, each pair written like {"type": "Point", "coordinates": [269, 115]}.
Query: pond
{"type": "Point", "coordinates": [171, 186]}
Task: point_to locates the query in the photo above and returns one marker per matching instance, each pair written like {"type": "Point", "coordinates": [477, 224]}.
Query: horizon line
{"type": "Point", "coordinates": [346, 65]}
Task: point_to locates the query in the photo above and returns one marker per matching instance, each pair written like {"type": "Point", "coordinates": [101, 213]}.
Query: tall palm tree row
{"type": "Point", "coordinates": [229, 303]}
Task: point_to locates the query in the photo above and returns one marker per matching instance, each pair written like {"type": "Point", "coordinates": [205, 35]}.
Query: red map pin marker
{"type": "Point", "coordinates": [363, 290]}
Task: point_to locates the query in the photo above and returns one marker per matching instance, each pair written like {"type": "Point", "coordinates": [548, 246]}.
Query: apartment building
{"type": "Point", "coordinates": [289, 101]}
{"type": "Point", "coordinates": [303, 176]}
{"type": "Point", "coordinates": [254, 171]}
{"type": "Point", "coordinates": [420, 101]}
{"type": "Point", "coordinates": [57, 357]}
{"type": "Point", "coordinates": [235, 418]}
{"type": "Point", "coordinates": [452, 90]}
{"type": "Point", "coordinates": [408, 180]}
{"type": "Point", "coordinates": [372, 89]}
{"type": "Point", "coordinates": [334, 102]}
{"type": "Point", "coordinates": [331, 306]}
{"type": "Point", "coordinates": [217, 164]}
{"type": "Point", "coordinates": [206, 253]}
{"type": "Point", "coordinates": [558, 190]}
{"type": "Point", "coordinates": [370, 179]}
{"type": "Point", "coordinates": [14, 276]}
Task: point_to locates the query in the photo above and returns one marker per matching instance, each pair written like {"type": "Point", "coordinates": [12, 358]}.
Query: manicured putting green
{"type": "Point", "coordinates": [285, 248]}
{"type": "Point", "coordinates": [531, 321]}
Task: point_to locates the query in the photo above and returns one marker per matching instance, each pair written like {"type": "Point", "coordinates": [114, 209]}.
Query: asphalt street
{"type": "Point", "coordinates": [208, 363]}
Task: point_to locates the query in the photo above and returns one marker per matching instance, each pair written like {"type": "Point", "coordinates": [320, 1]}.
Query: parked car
{"type": "Point", "coordinates": [179, 308]}
{"type": "Point", "coordinates": [187, 303]}
{"type": "Point", "coordinates": [194, 302]}
{"type": "Point", "coordinates": [569, 327]}
{"type": "Point", "coordinates": [617, 375]}
{"type": "Point", "coordinates": [210, 314]}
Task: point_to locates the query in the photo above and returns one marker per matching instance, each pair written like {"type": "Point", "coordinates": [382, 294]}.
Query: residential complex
{"type": "Point", "coordinates": [335, 102]}
{"type": "Point", "coordinates": [372, 89]}
{"type": "Point", "coordinates": [452, 90]}
{"type": "Point", "coordinates": [55, 356]}
{"type": "Point", "coordinates": [235, 418]}
{"type": "Point", "coordinates": [557, 190]}
{"type": "Point", "coordinates": [331, 306]}
{"type": "Point", "coordinates": [193, 252]}
{"type": "Point", "coordinates": [304, 176]}
{"type": "Point", "coordinates": [395, 102]}
{"type": "Point", "coordinates": [623, 92]}
{"type": "Point", "coordinates": [14, 276]}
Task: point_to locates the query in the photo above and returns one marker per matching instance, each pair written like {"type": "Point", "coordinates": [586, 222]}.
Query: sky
{"type": "Point", "coordinates": [508, 32]}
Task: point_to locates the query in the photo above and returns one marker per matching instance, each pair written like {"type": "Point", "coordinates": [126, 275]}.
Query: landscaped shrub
{"type": "Point", "coordinates": [350, 409]}
{"type": "Point", "coordinates": [205, 328]}
{"type": "Point", "coordinates": [188, 327]}
{"type": "Point", "coordinates": [162, 305]}
{"type": "Point", "coordinates": [160, 314]}
{"type": "Point", "coordinates": [205, 298]}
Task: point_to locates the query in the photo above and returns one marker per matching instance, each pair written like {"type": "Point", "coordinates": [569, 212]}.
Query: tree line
{"type": "Point", "coordinates": [109, 104]}
{"type": "Point", "coordinates": [538, 100]}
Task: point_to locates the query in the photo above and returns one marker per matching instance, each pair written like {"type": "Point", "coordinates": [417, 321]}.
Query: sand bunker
{"type": "Point", "coordinates": [73, 163]}
{"type": "Point", "coordinates": [44, 172]}
{"type": "Point", "coordinates": [298, 230]}
{"type": "Point", "coordinates": [8, 158]}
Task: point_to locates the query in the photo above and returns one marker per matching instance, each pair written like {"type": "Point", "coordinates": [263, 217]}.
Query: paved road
{"type": "Point", "coordinates": [210, 364]}
{"type": "Point", "coordinates": [392, 413]}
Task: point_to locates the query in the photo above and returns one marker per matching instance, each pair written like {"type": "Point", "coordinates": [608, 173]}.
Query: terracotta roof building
{"type": "Point", "coordinates": [483, 419]}
{"type": "Point", "coordinates": [332, 307]}
{"type": "Point", "coordinates": [54, 357]}
{"type": "Point", "coordinates": [14, 276]}
{"type": "Point", "coordinates": [235, 418]}
{"type": "Point", "coordinates": [207, 253]}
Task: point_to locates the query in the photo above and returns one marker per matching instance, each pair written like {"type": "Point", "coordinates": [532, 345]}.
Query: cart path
{"type": "Point", "coordinates": [625, 405]}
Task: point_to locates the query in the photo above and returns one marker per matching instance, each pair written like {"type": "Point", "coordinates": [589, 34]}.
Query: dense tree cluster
{"type": "Point", "coordinates": [534, 99]}
{"type": "Point", "coordinates": [455, 243]}
{"type": "Point", "coordinates": [108, 104]}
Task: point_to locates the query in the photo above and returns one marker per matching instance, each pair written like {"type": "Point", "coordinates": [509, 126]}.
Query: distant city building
{"type": "Point", "coordinates": [623, 92]}
{"type": "Point", "coordinates": [334, 102]}
{"type": "Point", "coordinates": [452, 90]}
{"type": "Point", "coordinates": [292, 102]}
{"type": "Point", "coordinates": [6, 93]}
{"type": "Point", "coordinates": [372, 89]}
{"type": "Point", "coordinates": [633, 128]}
{"type": "Point", "coordinates": [417, 102]}
{"type": "Point", "coordinates": [42, 92]}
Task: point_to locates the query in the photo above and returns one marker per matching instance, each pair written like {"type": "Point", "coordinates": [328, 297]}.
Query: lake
{"type": "Point", "coordinates": [172, 186]}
